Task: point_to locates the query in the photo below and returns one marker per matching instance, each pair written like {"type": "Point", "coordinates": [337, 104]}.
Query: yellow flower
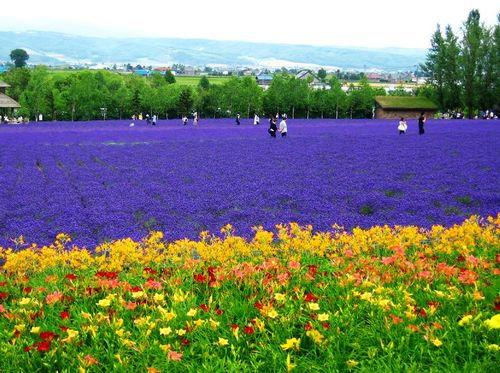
{"type": "Point", "coordinates": [158, 298]}
{"type": "Point", "coordinates": [214, 324]}
{"type": "Point", "coordinates": [165, 331]}
{"type": "Point", "coordinates": [35, 330]}
{"type": "Point", "coordinates": [223, 342]}
{"type": "Point", "coordinates": [25, 301]}
{"type": "Point", "coordinates": [291, 343]}
{"type": "Point", "coordinates": [192, 312]}
{"type": "Point", "coordinates": [352, 363]}
{"type": "Point", "coordinates": [314, 306]}
{"type": "Point", "coordinates": [199, 322]}
{"type": "Point", "coordinates": [465, 320]}
{"type": "Point", "coordinates": [104, 303]}
{"type": "Point", "coordinates": [259, 324]}
{"type": "Point", "coordinates": [72, 334]}
{"type": "Point", "coordinates": [137, 294]}
{"type": "Point", "coordinates": [180, 332]}
{"type": "Point", "coordinates": [493, 347]}
{"type": "Point", "coordinates": [86, 315]}
{"type": "Point", "coordinates": [20, 327]}
{"type": "Point", "coordinates": [436, 342]}
{"type": "Point", "coordinates": [316, 336]}
{"type": "Point", "coordinates": [166, 348]}
{"type": "Point", "coordinates": [323, 317]}
{"type": "Point", "coordinates": [494, 322]}
{"type": "Point", "coordinates": [280, 297]}
{"type": "Point", "coordinates": [180, 296]}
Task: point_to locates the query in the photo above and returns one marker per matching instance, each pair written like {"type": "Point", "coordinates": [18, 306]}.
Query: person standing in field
{"type": "Point", "coordinates": [256, 120]}
{"type": "Point", "coordinates": [421, 121]}
{"type": "Point", "coordinates": [272, 126]}
{"type": "Point", "coordinates": [238, 119]}
{"type": "Point", "coordinates": [155, 118]}
{"type": "Point", "coordinates": [283, 127]}
{"type": "Point", "coordinates": [185, 120]}
{"type": "Point", "coordinates": [195, 118]}
{"type": "Point", "coordinates": [402, 127]}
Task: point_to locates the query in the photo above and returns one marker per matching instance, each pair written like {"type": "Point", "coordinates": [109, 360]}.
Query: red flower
{"type": "Point", "coordinates": [2, 309]}
{"type": "Point", "coordinates": [28, 348]}
{"type": "Point", "coordinates": [71, 277]}
{"type": "Point", "coordinates": [108, 275]}
{"type": "Point", "coordinates": [326, 325]}
{"type": "Point", "coordinates": [419, 312]}
{"type": "Point", "coordinates": [249, 330]}
{"type": "Point", "coordinates": [204, 307]}
{"type": "Point", "coordinates": [258, 305]}
{"type": "Point", "coordinates": [135, 289]}
{"type": "Point", "coordinates": [200, 278]}
{"type": "Point", "coordinates": [219, 312]}
{"type": "Point", "coordinates": [310, 297]}
{"type": "Point", "coordinates": [43, 346]}
{"type": "Point", "coordinates": [308, 326]}
{"type": "Point", "coordinates": [395, 319]}
{"type": "Point", "coordinates": [64, 315]}
{"type": "Point", "coordinates": [235, 327]}
{"type": "Point", "coordinates": [185, 342]}
{"type": "Point", "coordinates": [152, 284]}
{"type": "Point", "coordinates": [63, 328]}
{"type": "Point", "coordinates": [47, 336]}
{"type": "Point", "coordinates": [3, 295]}
{"type": "Point", "coordinates": [150, 271]}
{"type": "Point", "coordinates": [27, 290]}
{"type": "Point", "coordinates": [3, 283]}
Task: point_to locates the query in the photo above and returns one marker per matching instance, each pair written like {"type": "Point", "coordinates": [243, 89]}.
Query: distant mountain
{"type": "Point", "coordinates": [60, 49]}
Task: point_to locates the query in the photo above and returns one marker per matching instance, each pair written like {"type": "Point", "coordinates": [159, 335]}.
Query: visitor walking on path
{"type": "Point", "coordinates": [272, 126]}
{"type": "Point", "coordinates": [421, 121]}
{"type": "Point", "coordinates": [256, 120]}
{"type": "Point", "coordinates": [283, 126]}
{"type": "Point", "coordinates": [238, 119]}
{"type": "Point", "coordinates": [402, 127]}
{"type": "Point", "coordinates": [155, 118]}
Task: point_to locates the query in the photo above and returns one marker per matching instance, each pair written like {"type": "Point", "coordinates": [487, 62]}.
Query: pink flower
{"type": "Point", "coordinates": [174, 356]}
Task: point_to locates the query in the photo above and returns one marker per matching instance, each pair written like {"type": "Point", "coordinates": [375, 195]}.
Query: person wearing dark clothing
{"type": "Point", "coordinates": [272, 127]}
{"type": "Point", "coordinates": [421, 121]}
{"type": "Point", "coordinates": [238, 120]}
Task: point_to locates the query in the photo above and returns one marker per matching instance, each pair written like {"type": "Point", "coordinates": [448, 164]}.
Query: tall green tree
{"type": "Point", "coordinates": [35, 98]}
{"type": "Point", "coordinates": [435, 65]}
{"type": "Point", "coordinates": [185, 101]}
{"type": "Point", "coordinates": [451, 75]}
{"type": "Point", "coordinates": [19, 57]}
{"type": "Point", "coordinates": [169, 77]}
{"type": "Point", "coordinates": [471, 57]}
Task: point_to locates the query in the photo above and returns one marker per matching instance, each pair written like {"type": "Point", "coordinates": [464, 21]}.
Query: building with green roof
{"type": "Point", "coordinates": [394, 107]}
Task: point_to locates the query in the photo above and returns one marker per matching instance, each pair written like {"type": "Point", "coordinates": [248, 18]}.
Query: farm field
{"type": "Point", "coordinates": [101, 181]}
{"type": "Point", "coordinates": [106, 264]}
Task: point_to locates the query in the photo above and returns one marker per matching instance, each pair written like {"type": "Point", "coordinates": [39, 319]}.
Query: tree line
{"type": "Point", "coordinates": [81, 95]}
{"type": "Point", "coordinates": [464, 68]}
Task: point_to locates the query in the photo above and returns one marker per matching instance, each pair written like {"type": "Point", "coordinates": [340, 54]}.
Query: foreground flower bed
{"type": "Point", "coordinates": [380, 300]}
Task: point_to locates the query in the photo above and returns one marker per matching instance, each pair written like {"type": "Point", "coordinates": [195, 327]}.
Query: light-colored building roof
{"type": "Point", "coordinates": [4, 85]}
{"type": "Point", "coordinates": [7, 102]}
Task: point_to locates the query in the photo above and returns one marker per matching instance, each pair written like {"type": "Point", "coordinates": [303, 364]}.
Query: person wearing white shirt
{"type": "Point", "coordinates": [256, 119]}
{"type": "Point", "coordinates": [402, 127]}
{"type": "Point", "coordinates": [283, 127]}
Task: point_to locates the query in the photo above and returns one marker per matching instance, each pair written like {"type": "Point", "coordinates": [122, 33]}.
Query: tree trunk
{"type": "Point", "coordinates": [293, 112]}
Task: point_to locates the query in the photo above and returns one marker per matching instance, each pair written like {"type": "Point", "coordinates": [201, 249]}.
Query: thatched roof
{"type": "Point", "coordinates": [4, 85]}
{"type": "Point", "coordinates": [7, 102]}
{"type": "Point", "coordinates": [405, 103]}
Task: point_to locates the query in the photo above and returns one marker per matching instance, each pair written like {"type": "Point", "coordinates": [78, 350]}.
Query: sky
{"type": "Point", "coordinates": [368, 23]}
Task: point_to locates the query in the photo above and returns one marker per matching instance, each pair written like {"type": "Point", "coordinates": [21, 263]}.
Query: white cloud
{"type": "Point", "coordinates": [382, 23]}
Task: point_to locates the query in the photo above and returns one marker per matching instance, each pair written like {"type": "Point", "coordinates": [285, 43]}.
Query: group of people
{"type": "Point", "coordinates": [196, 119]}
{"type": "Point", "coordinates": [4, 119]}
{"type": "Point", "coordinates": [403, 126]}
{"type": "Point", "coordinates": [273, 127]}
{"type": "Point", "coordinates": [150, 120]}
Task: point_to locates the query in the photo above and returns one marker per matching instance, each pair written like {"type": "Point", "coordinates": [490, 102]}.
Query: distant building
{"type": "Point", "coordinates": [3, 69]}
{"type": "Point", "coordinates": [6, 103]}
{"type": "Point", "coordinates": [314, 81]}
{"type": "Point", "coordinates": [264, 80]}
{"type": "Point", "coordinates": [394, 107]}
{"type": "Point", "coordinates": [142, 72]}
{"type": "Point", "coordinates": [189, 70]}
{"type": "Point", "coordinates": [161, 70]}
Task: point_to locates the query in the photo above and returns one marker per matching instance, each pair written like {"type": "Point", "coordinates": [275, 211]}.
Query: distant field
{"type": "Point", "coordinates": [183, 80]}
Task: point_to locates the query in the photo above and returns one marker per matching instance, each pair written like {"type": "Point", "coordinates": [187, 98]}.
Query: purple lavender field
{"type": "Point", "coordinates": [103, 180]}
